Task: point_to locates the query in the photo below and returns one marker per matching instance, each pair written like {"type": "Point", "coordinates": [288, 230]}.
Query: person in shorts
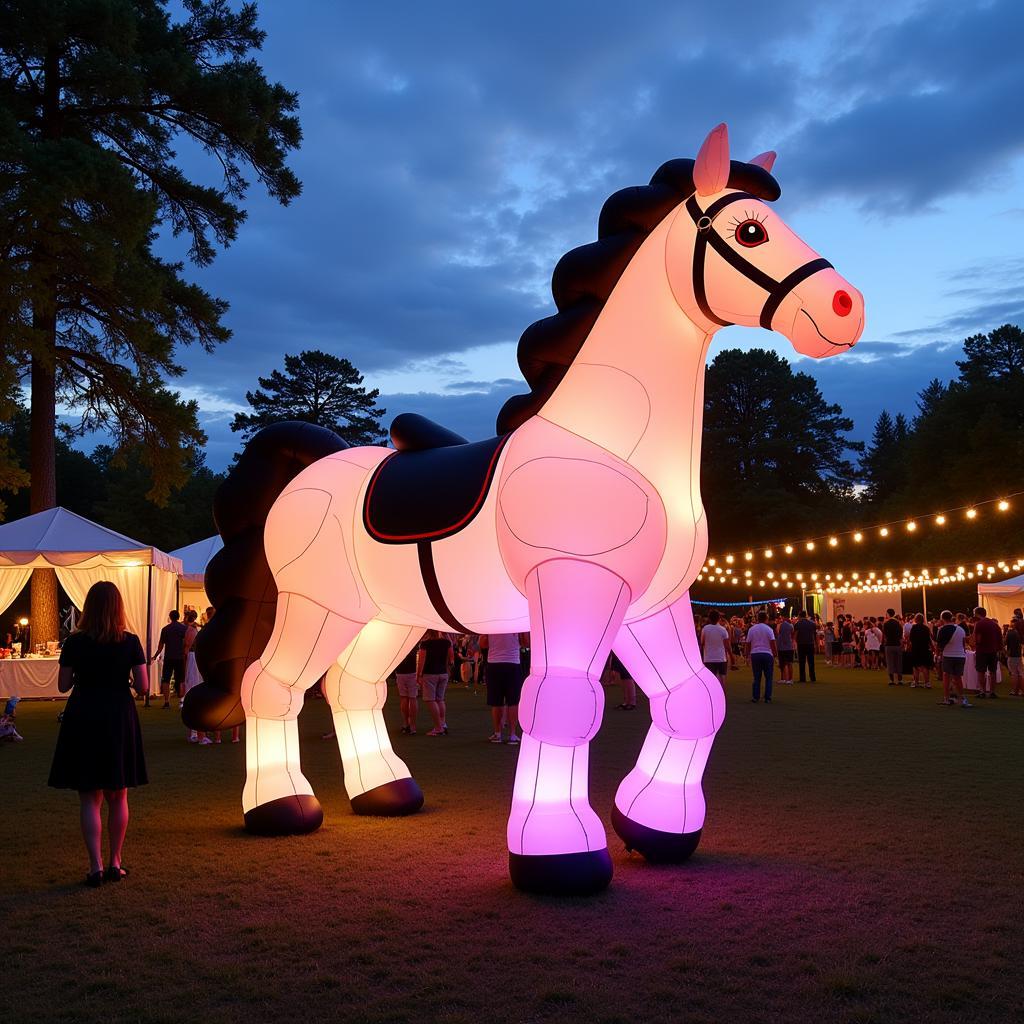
{"type": "Point", "coordinates": [504, 683]}
{"type": "Point", "coordinates": [950, 644]}
{"type": "Point", "coordinates": [716, 650]}
{"type": "Point", "coordinates": [433, 668]}
{"type": "Point", "coordinates": [988, 642]}
{"type": "Point", "coordinates": [408, 691]}
{"type": "Point", "coordinates": [786, 644]}
{"type": "Point", "coordinates": [172, 644]}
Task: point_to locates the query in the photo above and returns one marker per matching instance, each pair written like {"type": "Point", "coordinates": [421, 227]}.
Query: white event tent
{"type": "Point", "coordinates": [82, 553]}
{"type": "Point", "coordinates": [999, 599]}
{"type": "Point", "coordinates": [194, 559]}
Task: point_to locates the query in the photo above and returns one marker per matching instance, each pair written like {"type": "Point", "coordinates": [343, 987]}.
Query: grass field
{"type": "Point", "coordinates": [863, 860]}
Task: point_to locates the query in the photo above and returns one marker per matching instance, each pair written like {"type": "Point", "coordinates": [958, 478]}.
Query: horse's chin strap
{"type": "Point", "coordinates": [777, 290]}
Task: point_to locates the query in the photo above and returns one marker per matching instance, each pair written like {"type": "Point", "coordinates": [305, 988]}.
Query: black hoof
{"type": "Point", "coordinates": [392, 800]}
{"type": "Point", "coordinates": [561, 874]}
{"type": "Point", "coordinates": [286, 816]}
{"type": "Point", "coordinates": [658, 847]}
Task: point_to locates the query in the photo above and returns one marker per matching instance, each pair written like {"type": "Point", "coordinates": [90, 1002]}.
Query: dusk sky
{"type": "Point", "coordinates": [453, 152]}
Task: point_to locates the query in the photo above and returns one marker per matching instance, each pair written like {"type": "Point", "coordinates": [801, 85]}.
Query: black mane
{"type": "Point", "coordinates": [584, 277]}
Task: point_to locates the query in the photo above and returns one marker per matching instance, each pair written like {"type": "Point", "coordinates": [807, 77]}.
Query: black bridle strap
{"type": "Point", "coordinates": [786, 285]}
{"type": "Point", "coordinates": [777, 290]}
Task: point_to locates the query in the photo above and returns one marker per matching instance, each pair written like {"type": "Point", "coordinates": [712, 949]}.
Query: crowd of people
{"type": "Point", "coordinates": [910, 647]}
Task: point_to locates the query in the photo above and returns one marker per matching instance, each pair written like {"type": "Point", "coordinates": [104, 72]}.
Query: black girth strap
{"type": "Point", "coordinates": [429, 574]}
{"type": "Point", "coordinates": [706, 235]}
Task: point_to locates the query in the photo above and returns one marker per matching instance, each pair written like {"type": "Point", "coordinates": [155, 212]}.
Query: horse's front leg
{"type": "Point", "coordinates": [659, 806]}
{"type": "Point", "coordinates": [557, 844]}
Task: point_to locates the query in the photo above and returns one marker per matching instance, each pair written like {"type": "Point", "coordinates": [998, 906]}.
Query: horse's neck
{"type": "Point", "coordinates": [637, 385]}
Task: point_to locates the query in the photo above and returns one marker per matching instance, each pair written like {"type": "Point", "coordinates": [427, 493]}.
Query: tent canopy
{"type": "Point", "coordinates": [1000, 598]}
{"type": "Point", "coordinates": [59, 538]}
{"type": "Point", "coordinates": [83, 553]}
{"type": "Point", "coordinates": [195, 557]}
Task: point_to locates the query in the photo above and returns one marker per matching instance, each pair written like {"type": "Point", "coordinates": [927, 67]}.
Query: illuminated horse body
{"type": "Point", "coordinates": [588, 534]}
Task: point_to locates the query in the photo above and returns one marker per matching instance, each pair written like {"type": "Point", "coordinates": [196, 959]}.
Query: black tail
{"type": "Point", "coordinates": [238, 580]}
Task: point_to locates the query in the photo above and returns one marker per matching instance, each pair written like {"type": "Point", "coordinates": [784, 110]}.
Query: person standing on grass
{"type": "Point", "coordinates": [949, 642]}
{"type": "Point", "coordinates": [892, 635]}
{"type": "Point", "coordinates": [830, 643]}
{"type": "Point", "coordinates": [919, 640]}
{"type": "Point", "coordinates": [805, 632]}
{"type": "Point", "coordinates": [172, 643]}
{"type": "Point", "coordinates": [408, 690]}
{"type": "Point", "coordinates": [846, 636]}
{"type": "Point", "coordinates": [99, 746]}
{"type": "Point", "coordinates": [715, 646]}
{"type": "Point", "coordinates": [787, 649]}
{"type": "Point", "coordinates": [504, 682]}
{"type": "Point", "coordinates": [1012, 640]}
{"type": "Point", "coordinates": [433, 667]}
{"type": "Point", "coordinates": [762, 653]}
{"type": "Point", "coordinates": [872, 643]}
{"type": "Point", "coordinates": [988, 642]}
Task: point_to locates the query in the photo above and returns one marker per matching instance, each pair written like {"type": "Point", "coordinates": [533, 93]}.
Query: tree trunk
{"type": "Point", "coordinates": [42, 466]}
{"type": "Point", "coordinates": [43, 423]}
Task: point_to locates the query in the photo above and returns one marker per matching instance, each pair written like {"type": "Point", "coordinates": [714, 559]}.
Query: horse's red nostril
{"type": "Point", "coordinates": [842, 303]}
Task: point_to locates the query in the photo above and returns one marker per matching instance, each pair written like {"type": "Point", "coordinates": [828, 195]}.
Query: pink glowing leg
{"type": "Point", "coordinates": [277, 798]}
{"type": "Point", "coordinates": [659, 806]}
{"type": "Point", "coordinates": [376, 778]}
{"type": "Point", "coordinates": [556, 841]}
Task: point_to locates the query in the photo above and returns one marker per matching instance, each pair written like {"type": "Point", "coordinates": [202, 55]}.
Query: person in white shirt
{"type": "Point", "coordinates": [950, 643]}
{"type": "Point", "coordinates": [504, 682]}
{"type": "Point", "coordinates": [762, 649]}
{"type": "Point", "coordinates": [872, 643]}
{"type": "Point", "coordinates": [715, 646]}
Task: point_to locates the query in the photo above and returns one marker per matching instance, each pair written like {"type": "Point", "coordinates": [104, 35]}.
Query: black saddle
{"type": "Point", "coordinates": [432, 487]}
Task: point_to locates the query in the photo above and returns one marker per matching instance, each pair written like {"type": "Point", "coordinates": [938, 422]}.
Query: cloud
{"type": "Point", "coordinates": [918, 110]}
{"type": "Point", "coordinates": [454, 152]}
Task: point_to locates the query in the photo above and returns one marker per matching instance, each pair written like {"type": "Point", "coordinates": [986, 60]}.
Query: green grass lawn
{"type": "Point", "coordinates": [863, 860]}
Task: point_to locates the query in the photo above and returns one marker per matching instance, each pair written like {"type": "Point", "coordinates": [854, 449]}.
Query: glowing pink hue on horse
{"type": "Point", "coordinates": [589, 537]}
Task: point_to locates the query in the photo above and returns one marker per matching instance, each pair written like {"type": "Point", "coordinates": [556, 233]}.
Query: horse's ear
{"type": "Point", "coordinates": [711, 171]}
{"type": "Point", "coordinates": [765, 160]}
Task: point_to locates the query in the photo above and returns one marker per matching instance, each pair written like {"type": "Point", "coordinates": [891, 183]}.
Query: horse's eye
{"type": "Point", "coordinates": [751, 233]}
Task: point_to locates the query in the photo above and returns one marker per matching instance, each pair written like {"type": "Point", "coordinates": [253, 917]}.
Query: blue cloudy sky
{"type": "Point", "coordinates": [454, 151]}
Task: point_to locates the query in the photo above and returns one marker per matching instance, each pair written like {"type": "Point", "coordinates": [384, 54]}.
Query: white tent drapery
{"type": "Point", "coordinates": [194, 559]}
{"type": "Point", "coordinates": [12, 582]}
{"type": "Point", "coordinates": [82, 552]}
{"type": "Point", "coordinates": [1000, 598]}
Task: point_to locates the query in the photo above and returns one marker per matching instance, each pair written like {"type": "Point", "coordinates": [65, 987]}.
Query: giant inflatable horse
{"type": "Point", "coordinates": [580, 522]}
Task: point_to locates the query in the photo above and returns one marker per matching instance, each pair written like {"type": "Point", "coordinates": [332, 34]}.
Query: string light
{"type": "Point", "coordinates": [971, 512]}
{"type": "Point", "coordinates": [882, 580]}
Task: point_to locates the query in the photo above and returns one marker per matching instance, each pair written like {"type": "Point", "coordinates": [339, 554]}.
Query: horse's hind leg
{"type": "Point", "coordinates": [277, 798]}
{"type": "Point", "coordinates": [376, 778]}
{"type": "Point", "coordinates": [659, 806]}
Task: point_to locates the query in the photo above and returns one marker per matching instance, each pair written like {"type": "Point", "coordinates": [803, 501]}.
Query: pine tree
{"type": "Point", "coordinates": [93, 96]}
{"type": "Point", "coordinates": [771, 438]}
{"type": "Point", "coordinates": [315, 387]}
{"type": "Point", "coordinates": [996, 356]}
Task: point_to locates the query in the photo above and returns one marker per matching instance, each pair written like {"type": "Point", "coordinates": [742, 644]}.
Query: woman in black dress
{"type": "Point", "coordinates": [99, 748]}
